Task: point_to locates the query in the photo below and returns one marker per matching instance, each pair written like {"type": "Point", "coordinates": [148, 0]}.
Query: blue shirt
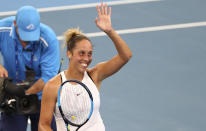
{"type": "Point", "coordinates": [45, 52]}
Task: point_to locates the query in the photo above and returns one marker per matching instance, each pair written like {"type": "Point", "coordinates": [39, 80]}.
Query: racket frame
{"type": "Point", "coordinates": [60, 109]}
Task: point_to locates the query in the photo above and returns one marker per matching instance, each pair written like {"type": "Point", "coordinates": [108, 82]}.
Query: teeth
{"type": "Point", "coordinates": [83, 64]}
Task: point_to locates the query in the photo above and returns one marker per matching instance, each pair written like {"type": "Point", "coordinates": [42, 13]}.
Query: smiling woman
{"type": "Point", "coordinates": [79, 53]}
{"type": "Point", "coordinates": [79, 48]}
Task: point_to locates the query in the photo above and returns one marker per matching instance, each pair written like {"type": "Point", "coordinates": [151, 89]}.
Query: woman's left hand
{"type": "Point", "coordinates": [103, 21]}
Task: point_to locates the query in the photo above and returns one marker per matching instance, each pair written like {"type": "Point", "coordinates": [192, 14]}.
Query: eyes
{"type": "Point", "coordinates": [84, 53]}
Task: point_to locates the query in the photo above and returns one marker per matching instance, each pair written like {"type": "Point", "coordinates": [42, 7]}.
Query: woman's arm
{"type": "Point", "coordinates": [105, 69]}
{"type": "Point", "coordinates": [48, 103]}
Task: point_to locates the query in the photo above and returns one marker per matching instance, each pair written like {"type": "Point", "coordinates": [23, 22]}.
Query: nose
{"type": "Point", "coordinates": [86, 58]}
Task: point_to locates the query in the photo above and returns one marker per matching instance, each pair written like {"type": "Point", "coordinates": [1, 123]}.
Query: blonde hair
{"type": "Point", "coordinates": [72, 36]}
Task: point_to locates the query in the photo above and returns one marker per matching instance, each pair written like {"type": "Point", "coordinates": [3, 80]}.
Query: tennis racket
{"type": "Point", "coordinates": [75, 103]}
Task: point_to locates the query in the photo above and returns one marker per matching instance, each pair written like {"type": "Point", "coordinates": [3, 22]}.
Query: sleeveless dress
{"type": "Point", "coordinates": [95, 123]}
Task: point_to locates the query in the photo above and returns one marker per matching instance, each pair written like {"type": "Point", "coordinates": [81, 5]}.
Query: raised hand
{"type": "Point", "coordinates": [103, 21]}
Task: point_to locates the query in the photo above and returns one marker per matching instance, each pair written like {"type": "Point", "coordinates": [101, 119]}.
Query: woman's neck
{"type": "Point", "coordinates": [73, 74]}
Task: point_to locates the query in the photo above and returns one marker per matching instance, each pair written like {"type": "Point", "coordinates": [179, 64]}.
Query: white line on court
{"type": "Point", "coordinates": [59, 8]}
{"type": "Point", "coordinates": [147, 29]}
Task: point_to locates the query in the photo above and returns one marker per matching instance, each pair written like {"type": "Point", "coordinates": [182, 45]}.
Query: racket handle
{"type": "Point", "coordinates": [68, 127]}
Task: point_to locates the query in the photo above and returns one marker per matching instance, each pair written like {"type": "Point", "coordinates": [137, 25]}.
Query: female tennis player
{"type": "Point", "coordinates": [79, 52]}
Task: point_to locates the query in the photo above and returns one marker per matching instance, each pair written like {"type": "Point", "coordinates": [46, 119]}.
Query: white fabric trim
{"type": "Point", "coordinates": [44, 41]}
{"type": "Point", "coordinates": [5, 29]}
{"type": "Point", "coordinates": [63, 76]}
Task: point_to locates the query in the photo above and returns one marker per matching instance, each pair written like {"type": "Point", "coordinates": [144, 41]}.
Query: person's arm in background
{"type": "Point", "coordinates": [3, 71]}
{"type": "Point", "coordinates": [49, 64]}
{"type": "Point", "coordinates": [36, 87]}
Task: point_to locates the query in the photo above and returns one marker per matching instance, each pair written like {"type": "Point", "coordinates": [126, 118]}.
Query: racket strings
{"type": "Point", "coordinates": [77, 103]}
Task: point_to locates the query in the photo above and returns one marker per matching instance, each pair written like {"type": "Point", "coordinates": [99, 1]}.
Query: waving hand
{"type": "Point", "coordinates": [103, 21]}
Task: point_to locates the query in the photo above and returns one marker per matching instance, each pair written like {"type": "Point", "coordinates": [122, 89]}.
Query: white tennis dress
{"type": "Point", "coordinates": [95, 123]}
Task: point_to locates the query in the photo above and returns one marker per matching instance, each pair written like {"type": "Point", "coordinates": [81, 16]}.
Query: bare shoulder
{"type": "Point", "coordinates": [94, 72]}
{"type": "Point", "coordinates": [96, 68]}
{"type": "Point", "coordinates": [52, 85]}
